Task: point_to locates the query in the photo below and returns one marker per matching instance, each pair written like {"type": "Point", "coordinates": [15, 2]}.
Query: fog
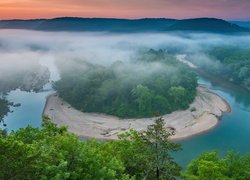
{"type": "Point", "coordinates": [21, 50]}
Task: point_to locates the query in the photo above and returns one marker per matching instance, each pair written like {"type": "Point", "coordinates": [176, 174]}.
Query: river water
{"type": "Point", "coordinates": [232, 132]}
{"type": "Point", "coordinates": [32, 104]}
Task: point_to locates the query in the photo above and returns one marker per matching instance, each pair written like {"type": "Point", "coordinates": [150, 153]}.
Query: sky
{"type": "Point", "coordinates": [132, 9]}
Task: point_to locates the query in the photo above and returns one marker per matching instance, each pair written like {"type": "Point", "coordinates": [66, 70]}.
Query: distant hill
{"type": "Point", "coordinates": [124, 25]}
{"type": "Point", "coordinates": [105, 24]}
{"type": "Point", "coordinates": [207, 24]}
{"type": "Point", "coordinates": [21, 24]}
{"type": "Point", "coordinates": [245, 24]}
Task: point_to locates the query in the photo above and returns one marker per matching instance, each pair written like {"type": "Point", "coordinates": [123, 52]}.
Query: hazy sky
{"type": "Point", "coordinates": [26, 9]}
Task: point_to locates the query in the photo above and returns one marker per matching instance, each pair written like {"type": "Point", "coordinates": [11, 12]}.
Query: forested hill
{"type": "Point", "coordinates": [231, 63]}
{"type": "Point", "coordinates": [153, 83]}
{"type": "Point", "coordinates": [104, 24]}
{"type": "Point", "coordinates": [245, 24]}
{"type": "Point", "coordinates": [124, 25]}
{"type": "Point", "coordinates": [91, 24]}
{"type": "Point", "coordinates": [21, 24]}
{"type": "Point", "coordinates": [207, 24]}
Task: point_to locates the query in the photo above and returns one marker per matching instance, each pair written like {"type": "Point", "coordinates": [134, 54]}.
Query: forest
{"type": "Point", "coordinates": [237, 64]}
{"type": "Point", "coordinates": [231, 63]}
{"type": "Point", "coordinates": [152, 83]}
{"type": "Point", "coordinates": [52, 152]}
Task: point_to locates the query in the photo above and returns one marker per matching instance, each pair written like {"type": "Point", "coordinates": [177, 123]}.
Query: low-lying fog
{"type": "Point", "coordinates": [21, 50]}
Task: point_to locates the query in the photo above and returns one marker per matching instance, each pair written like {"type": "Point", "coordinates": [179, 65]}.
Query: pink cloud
{"type": "Point", "coordinates": [226, 9]}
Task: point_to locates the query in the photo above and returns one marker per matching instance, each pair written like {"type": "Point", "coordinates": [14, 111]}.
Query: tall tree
{"type": "Point", "coordinates": [157, 140]}
{"type": "Point", "coordinates": [147, 154]}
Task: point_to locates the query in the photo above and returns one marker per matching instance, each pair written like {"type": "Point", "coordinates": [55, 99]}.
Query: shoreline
{"type": "Point", "coordinates": [209, 108]}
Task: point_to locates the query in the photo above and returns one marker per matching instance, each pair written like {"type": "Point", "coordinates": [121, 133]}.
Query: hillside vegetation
{"type": "Point", "coordinates": [207, 25]}
{"type": "Point", "coordinates": [236, 62]}
{"type": "Point", "coordinates": [52, 152]}
{"type": "Point", "coordinates": [230, 63]}
{"type": "Point", "coordinates": [125, 25]}
{"type": "Point", "coordinates": [153, 83]}
{"type": "Point", "coordinates": [211, 165]}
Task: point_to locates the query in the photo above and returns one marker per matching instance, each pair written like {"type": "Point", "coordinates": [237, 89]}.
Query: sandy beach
{"type": "Point", "coordinates": [204, 114]}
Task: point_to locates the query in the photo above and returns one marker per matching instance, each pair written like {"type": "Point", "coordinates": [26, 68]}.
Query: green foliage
{"type": "Point", "coordinates": [236, 61]}
{"type": "Point", "coordinates": [156, 138]}
{"type": "Point", "coordinates": [146, 154]}
{"type": "Point", "coordinates": [53, 153]}
{"type": "Point", "coordinates": [154, 83]}
{"type": "Point", "coordinates": [209, 166]}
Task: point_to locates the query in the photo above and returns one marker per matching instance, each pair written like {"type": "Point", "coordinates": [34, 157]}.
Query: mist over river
{"type": "Point", "coordinates": [232, 132]}
{"type": "Point", "coordinates": [32, 103]}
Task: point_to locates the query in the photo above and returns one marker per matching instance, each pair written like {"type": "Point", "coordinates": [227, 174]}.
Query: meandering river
{"type": "Point", "coordinates": [232, 132]}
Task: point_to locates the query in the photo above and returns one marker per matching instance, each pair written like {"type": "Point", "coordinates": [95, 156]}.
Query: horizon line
{"type": "Point", "coordinates": [57, 17]}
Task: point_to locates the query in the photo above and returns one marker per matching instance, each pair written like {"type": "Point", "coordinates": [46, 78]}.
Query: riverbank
{"type": "Point", "coordinates": [204, 114]}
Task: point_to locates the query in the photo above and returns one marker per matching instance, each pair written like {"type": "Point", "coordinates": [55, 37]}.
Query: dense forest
{"type": "Point", "coordinates": [126, 25]}
{"type": "Point", "coordinates": [153, 82]}
{"type": "Point", "coordinates": [52, 152]}
{"type": "Point", "coordinates": [211, 165]}
{"type": "Point", "coordinates": [236, 61]}
{"type": "Point", "coordinates": [231, 63]}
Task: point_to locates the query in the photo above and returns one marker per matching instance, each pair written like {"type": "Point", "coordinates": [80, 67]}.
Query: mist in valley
{"type": "Point", "coordinates": [21, 49]}
{"type": "Point", "coordinates": [23, 53]}
{"type": "Point", "coordinates": [126, 63]}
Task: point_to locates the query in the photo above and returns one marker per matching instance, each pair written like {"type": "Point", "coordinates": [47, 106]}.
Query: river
{"type": "Point", "coordinates": [32, 104]}
{"type": "Point", "coordinates": [232, 132]}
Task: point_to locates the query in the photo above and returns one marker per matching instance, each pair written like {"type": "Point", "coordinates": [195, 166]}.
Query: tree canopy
{"type": "Point", "coordinates": [53, 153]}
{"type": "Point", "coordinates": [236, 61]}
{"type": "Point", "coordinates": [210, 166]}
{"type": "Point", "coordinates": [152, 83]}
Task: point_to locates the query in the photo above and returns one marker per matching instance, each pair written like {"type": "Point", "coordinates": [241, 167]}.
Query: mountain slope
{"type": "Point", "coordinates": [206, 24]}
{"type": "Point", "coordinates": [21, 24]}
{"type": "Point", "coordinates": [245, 24]}
{"type": "Point", "coordinates": [124, 25]}
{"type": "Point", "coordinates": [105, 24]}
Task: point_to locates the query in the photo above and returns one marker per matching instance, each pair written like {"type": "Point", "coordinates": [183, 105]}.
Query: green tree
{"type": "Point", "coordinates": [147, 154]}
{"type": "Point", "coordinates": [178, 94]}
{"type": "Point", "coordinates": [127, 91]}
{"type": "Point", "coordinates": [17, 159]}
{"type": "Point", "coordinates": [210, 166]}
{"type": "Point", "coordinates": [53, 153]}
{"type": "Point", "coordinates": [157, 140]}
{"type": "Point", "coordinates": [143, 98]}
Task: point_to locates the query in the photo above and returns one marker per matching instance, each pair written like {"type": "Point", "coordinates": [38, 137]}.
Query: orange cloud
{"type": "Point", "coordinates": [27, 9]}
